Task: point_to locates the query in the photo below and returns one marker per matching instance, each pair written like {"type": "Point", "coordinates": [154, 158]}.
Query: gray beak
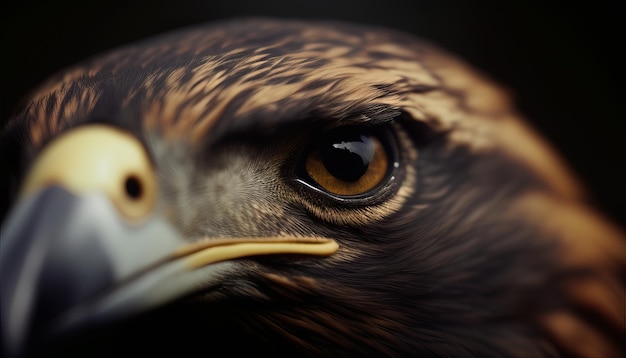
{"type": "Point", "coordinates": [74, 254]}
{"type": "Point", "coordinates": [69, 261]}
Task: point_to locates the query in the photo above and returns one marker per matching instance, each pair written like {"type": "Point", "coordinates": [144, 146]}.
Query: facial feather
{"type": "Point", "coordinates": [475, 249]}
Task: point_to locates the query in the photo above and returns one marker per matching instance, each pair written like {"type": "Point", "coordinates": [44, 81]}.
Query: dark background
{"type": "Point", "coordinates": [562, 62]}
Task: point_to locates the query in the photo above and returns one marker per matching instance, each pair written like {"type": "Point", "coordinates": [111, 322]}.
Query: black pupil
{"type": "Point", "coordinates": [133, 187]}
{"type": "Point", "coordinates": [348, 157]}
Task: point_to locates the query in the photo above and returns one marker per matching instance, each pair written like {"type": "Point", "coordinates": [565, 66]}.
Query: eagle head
{"type": "Point", "coordinates": [192, 193]}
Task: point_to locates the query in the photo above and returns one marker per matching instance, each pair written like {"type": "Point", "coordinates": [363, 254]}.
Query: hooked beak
{"type": "Point", "coordinates": [75, 254]}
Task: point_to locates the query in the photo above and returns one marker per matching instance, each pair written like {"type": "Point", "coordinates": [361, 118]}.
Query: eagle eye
{"type": "Point", "coordinates": [348, 161]}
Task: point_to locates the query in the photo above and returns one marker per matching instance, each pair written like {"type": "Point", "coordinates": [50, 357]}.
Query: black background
{"type": "Point", "coordinates": [563, 62]}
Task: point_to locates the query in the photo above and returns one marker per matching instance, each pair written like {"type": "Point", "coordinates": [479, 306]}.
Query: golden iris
{"type": "Point", "coordinates": [348, 164]}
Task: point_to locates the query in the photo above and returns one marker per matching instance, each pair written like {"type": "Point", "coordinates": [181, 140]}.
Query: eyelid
{"type": "Point", "coordinates": [361, 120]}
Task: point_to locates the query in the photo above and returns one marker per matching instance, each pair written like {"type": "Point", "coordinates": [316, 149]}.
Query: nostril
{"type": "Point", "coordinates": [133, 187]}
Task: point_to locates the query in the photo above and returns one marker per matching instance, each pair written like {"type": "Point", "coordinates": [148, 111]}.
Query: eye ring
{"type": "Point", "coordinates": [350, 161]}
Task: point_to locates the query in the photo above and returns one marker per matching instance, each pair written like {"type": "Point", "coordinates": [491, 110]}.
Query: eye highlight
{"type": "Point", "coordinates": [348, 162]}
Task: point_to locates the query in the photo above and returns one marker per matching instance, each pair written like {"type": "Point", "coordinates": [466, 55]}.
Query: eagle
{"type": "Point", "coordinates": [296, 188]}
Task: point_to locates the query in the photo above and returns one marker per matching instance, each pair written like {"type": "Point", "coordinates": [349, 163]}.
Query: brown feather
{"type": "Point", "coordinates": [484, 244]}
